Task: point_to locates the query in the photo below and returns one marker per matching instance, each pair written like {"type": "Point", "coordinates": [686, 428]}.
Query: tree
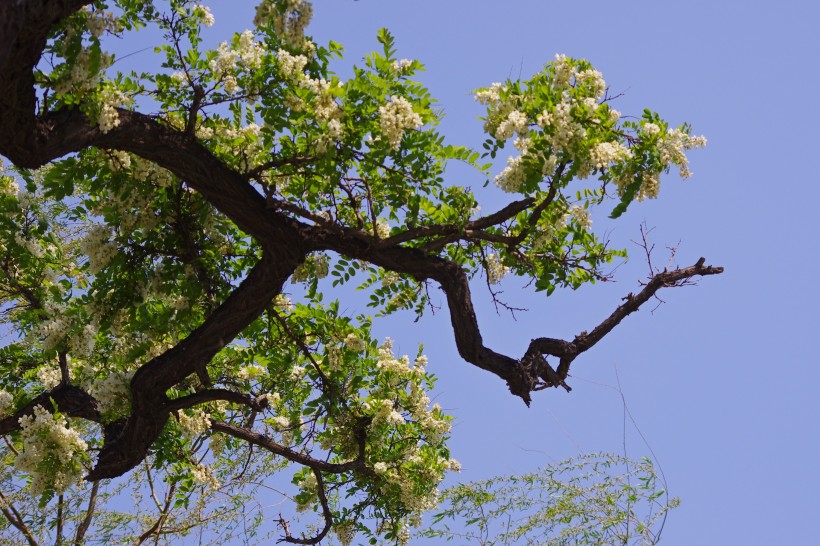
{"type": "Point", "coordinates": [151, 221]}
{"type": "Point", "coordinates": [594, 499]}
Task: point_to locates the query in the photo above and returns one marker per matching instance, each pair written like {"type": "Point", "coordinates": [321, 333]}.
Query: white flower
{"type": "Point", "coordinates": [581, 215]}
{"type": "Point", "coordinates": [194, 423]}
{"type": "Point", "coordinates": [345, 532]}
{"type": "Point", "coordinates": [49, 377]}
{"type": "Point", "coordinates": [203, 13]}
{"type": "Point", "coordinates": [203, 475]}
{"type": "Point", "coordinates": [564, 71]}
{"type": "Point", "coordinates": [401, 65]}
{"type": "Point", "coordinates": [291, 24]}
{"type": "Point", "coordinates": [606, 153]}
{"type": "Point", "coordinates": [650, 129]}
{"type": "Point", "coordinates": [254, 371]}
{"type": "Point", "coordinates": [395, 117]}
{"type": "Point", "coordinates": [513, 175]}
{"type": "Point", "coordinates": [382, 229]}
{"type": "Point", "coordinates": [354, 343]}
{"type": "Point", "coordinates": [6, 403]}
{"type": "Point", "coordinates": [490, 95]}
{"type": "Point", "coordinates": [52, 453]}
{"type": "Point", "coordinates": [279, 422]}
{"type": "Point", "coordinates": [282, 303]}
{"type": "Point", "coordinates": [230, 84]}
{"type": "Point", "coordinates": [594, 80]}
{"type": "Point", "coordinates": [111, 99]}
{"type": "Point", "coordinates": [113, 393]}
{"type": "Point", "coordinates": [291, 66]}
{"type": "Point", "coordinates": [516, 122]}
{"type": "Point", "coordinates": [250, 51]}
{"type": "Point", "coordinates": [98, 248]}
{"type": "Point", "coordinates": [495, 269]}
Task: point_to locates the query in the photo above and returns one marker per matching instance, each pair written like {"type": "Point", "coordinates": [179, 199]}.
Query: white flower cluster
{"type": "Point", "coordinates": [203, 13]}
{"type": "Point", "coordinates": [564, 71]}
{"type": "Point", "coordinates": [194, 422]}
{"type": "Point", "coordinates": [385, 413]}
{"type": "Point", "coordinates": [6, 403]}
{"type": "Point", "coordinates": [382, 229]}
{"type": "Point", "coordinates": [248, 53]}
{"type": "Point", "coordinates": [650, 129]}
{"type": "Point", "coordinates": [334, 358]}
{"type": "Point", "coordinates": [490, 95]}
{"type": "Point", "coordinates": [395, 117]}
{"type": "Point", "coordinates": [401, 65]}
{"type": "Point", "coordinates": [290, 25]}
{"type": "Point", "coordinates": [594, 80]}
{"type": "Point", "coordinates": [82, 343]}
{"type": "Point", "coordinates": [323, 103]}
{"type": "Point", "coordinates": [513, 175]}
{"type": "Point", "coordinates": [516, 122]}
{"type": "Point", "coordinates": [355, 343]}
{"type": "Point", "coordinates": [52, 453]}
{"type": "Point", "coordinates": [318, 262]}
{"type": "Point", "coordinates": [203, 474]}
{"type": "Point", "coordinates": [282, 303]}
{"type": "Point", "coordinates": [49, 377]}
{"type": "Point", "coordinates": [296, 373]}
{"type": "Point", "coordinates": [495, 269]}
{"type": "Point", "coordinates": [99, 21]}
{"type": "Point", "coordinates": [581, 215]}
{"type": "Point", "coordinates": [564, 130]}
{"type": "Point", "coordinates": [80, 79]}
{"type": "Point", "coordinates": [345, 532]}
{"type": "Point", "coordinates": [292, 67]}
{"type": "Point", "coordinates": [30, 244]}
{"type": "Point", "coordinates": [113, 393]}
{"type": "Point", "coordinates": [280, 422]}
{"type": "Point", "coordinates": [675, 143]}
{"type": "Point", "coordinates": [249, 373]}
{"type": "Point", "coordinates": [606, 153]}
{"type": "Point", "coordinates": [110, 100]}
{"type": "Point", "coordinates": [99, 249]}
{"type": "Point", "coordinates": [53, 329]}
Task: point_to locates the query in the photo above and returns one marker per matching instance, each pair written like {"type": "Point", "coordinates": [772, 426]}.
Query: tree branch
{"type": "Point", "coordinates": [294, 456]}
{"type": "Point", "coordinates": [16, 519]}
{"type": "Point", "coordinates": [82, 528]}
{"type": "Point", "coordinates": [150, 383]}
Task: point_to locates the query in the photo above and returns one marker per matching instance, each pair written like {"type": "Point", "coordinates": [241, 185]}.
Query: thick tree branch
{"type": "Point", "coordinates": [294, 456]}
{"type": "Point", "coordinates": [72, 401]}
{"type": "Point", "coordinates": [213, 395]}
{"type": "Point", "coordinates": [150, 383]}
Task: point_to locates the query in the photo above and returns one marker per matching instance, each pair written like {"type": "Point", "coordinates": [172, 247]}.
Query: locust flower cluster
{"type": "Point", "coordinates": [52, 453]}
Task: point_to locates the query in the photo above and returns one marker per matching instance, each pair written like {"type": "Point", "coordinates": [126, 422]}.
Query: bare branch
{"type": "Point", "coordinates": [16, 519]}
{"type": "Point", "coordinates": [84, 525]}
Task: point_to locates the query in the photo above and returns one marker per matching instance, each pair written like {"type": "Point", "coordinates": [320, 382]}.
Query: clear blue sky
{"type": "Point", "coordinates": [721, 379]}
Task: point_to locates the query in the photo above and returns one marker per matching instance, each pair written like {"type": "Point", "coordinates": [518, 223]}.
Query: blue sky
{"type": "Point", "coordinates": [720, 379]}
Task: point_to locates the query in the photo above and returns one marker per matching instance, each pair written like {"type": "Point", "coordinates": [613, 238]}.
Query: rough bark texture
{"type": "Point", "coordinates": [32, 140]}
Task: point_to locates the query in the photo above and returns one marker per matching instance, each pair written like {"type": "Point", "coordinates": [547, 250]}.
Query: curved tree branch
{"type": "Point", "coordinates": [149, 411]}
{"type": "Point", "coordinates": [294, 456]}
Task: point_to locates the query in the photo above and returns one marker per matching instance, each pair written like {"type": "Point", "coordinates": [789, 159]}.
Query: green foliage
{"type": "Point", "coordinates": [590, 500]}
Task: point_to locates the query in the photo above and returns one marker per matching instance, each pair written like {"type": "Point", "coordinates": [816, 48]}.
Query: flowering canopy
{"type": "Point", "coordinates": [150, 223]}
